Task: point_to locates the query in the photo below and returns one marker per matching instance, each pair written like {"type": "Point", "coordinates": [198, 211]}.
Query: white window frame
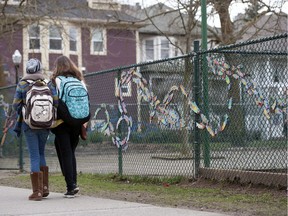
{"type": "Point", "coordinates": [55, 38]}
{"type": "Point", "coordinates": [164, 41]}
{"type": "Point", "coordinates": [158, 47]}
{"type": "Point", "coordinates": [147, 57]}
{"type": "Point", "coordinates": [104, 42]}
{"type": "Point", "coordinates": [73, 38]}
{"type": "Point", "coordinates": [34, 37]}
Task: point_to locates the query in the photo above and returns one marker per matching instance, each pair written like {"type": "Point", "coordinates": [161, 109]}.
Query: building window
{"type": "Point", "coordinates": [34, 36]}
{"type": "Point", "coordinates": [55, 40]}
{"type": "Point", "coordinates": [176, 49]}
{"type": "Point", "coordinates": [104, 5]}
{"type": "Point", "coordinates": [156, 48]}
{"type": "Point", "coordinates": [73, 39]}
{"type": "Point", "coordinates": [98, 43]}
{"type": "Point", "coordinates": [149, 50]}
{"type": "Point", "coordinates": [5, 69]}
{"type": "Point", "coordinates": [164, 49]}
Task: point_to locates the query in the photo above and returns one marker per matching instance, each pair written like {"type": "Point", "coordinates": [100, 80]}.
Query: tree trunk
{"type": "Point", "coordinates": [185, 149]}
{"type": "Point", "coordinates": [2, 75]}
{"type": "Point", "coordinates": [222, 8]}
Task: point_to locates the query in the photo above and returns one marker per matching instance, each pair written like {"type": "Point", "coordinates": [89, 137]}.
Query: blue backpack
{"type": "Point", "coordinates": [74, 105]}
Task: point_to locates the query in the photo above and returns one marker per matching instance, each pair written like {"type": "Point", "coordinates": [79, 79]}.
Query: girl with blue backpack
{"type": "Point", "coordinates": [73, 111]}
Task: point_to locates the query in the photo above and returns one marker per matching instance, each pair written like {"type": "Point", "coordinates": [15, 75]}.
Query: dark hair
{"type": "Point", "coordinates": [66, 67]}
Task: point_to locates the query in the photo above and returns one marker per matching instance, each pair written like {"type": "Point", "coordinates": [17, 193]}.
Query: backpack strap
{"type": "Point", "coordinates": [59, 86]}
{"type": "Point", "coordinates": [46, 81]}
{"type": "Point", "coordinates": [30, 82]}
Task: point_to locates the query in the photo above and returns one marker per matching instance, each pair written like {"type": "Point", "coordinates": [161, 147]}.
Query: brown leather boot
{"type": "Point", "coordinates": [37, 186]}
{"type": "Point", "coordinates": [45, 171]}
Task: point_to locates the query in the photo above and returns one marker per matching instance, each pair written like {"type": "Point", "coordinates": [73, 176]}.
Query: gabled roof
{"type": "Point", "coordinates": [74, 10]}
{"type": "Point", "coordinates": [265, 26]}
{"type": "Point", "coordinates": [170, 21]}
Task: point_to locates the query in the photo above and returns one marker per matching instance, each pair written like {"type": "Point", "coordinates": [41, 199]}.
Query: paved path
{"type": "Point", "coordinates": [14, 201]}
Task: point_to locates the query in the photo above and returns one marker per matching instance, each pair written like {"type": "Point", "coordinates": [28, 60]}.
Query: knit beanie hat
{"type": "Point", "coordinates": [33, 66]}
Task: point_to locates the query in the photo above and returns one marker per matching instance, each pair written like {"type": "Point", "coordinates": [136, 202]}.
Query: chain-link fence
{"type": "Point", "coordinates": [221, 113]}
{"type": "Point", "coordinates": [9, 144]}
{"type": "Point", "coordinates": [248, 85]}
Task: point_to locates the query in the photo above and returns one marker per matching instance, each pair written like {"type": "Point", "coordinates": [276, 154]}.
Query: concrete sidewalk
{"type": "Point", "coordinates": [14, 201]}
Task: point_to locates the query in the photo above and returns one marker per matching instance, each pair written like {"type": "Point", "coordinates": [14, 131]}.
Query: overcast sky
{"type": "Point", "coordinates": [234, 10]}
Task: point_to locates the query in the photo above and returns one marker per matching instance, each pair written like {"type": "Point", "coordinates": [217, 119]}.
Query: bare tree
{"type": "Point", "coordinates": [255, 12]}
{"type": "Point", "coordinates": [231, 28]}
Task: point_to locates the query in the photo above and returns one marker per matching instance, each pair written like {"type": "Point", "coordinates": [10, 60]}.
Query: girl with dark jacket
{"type": "Point", "coordinates": [67, 136]}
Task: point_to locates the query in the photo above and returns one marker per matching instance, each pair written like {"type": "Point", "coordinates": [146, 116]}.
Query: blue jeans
{"type": "Point", "coordinates": [36, 141]}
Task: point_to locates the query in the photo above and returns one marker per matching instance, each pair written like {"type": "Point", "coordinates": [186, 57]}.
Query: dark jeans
{"type": "Point", "coordinates": [66, 141]}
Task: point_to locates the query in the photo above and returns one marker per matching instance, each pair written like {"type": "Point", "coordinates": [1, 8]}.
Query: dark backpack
{"type": "Point", "coordinates": [38, 110]}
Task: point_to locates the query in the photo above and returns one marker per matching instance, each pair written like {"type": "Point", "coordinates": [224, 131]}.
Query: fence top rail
{"type": "Point", "coordinates": [138, 65]}
{"type": "Point", "coordinates": [249, 52]}
{"type": "Point", "coordinates": [245, 43]}
{"type": "Point", "coordinates": [7, 87]}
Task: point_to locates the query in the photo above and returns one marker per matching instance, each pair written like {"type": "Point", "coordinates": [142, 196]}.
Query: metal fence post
{"type": "Point", "coordinates": [120, 157]}
{"type": "Point", "coordinates": [120, 161]}
{"type": "Point", "coordinates": [206, 150]}
{"type": "Point", "coordinates": [196, 119]}
{"type": "Point", "coordinates": [206, 137]}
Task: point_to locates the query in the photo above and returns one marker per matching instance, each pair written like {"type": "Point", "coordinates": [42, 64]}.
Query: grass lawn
{"type": "Point", "coordinates": [174, 192]}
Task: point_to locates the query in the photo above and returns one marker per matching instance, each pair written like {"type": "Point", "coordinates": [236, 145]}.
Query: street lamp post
{"type": "Point", "coordinates": [16, 57]}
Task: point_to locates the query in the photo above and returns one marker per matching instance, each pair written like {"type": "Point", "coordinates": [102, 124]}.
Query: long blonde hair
{"type": "Point", "coordinates": [66, 67]}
